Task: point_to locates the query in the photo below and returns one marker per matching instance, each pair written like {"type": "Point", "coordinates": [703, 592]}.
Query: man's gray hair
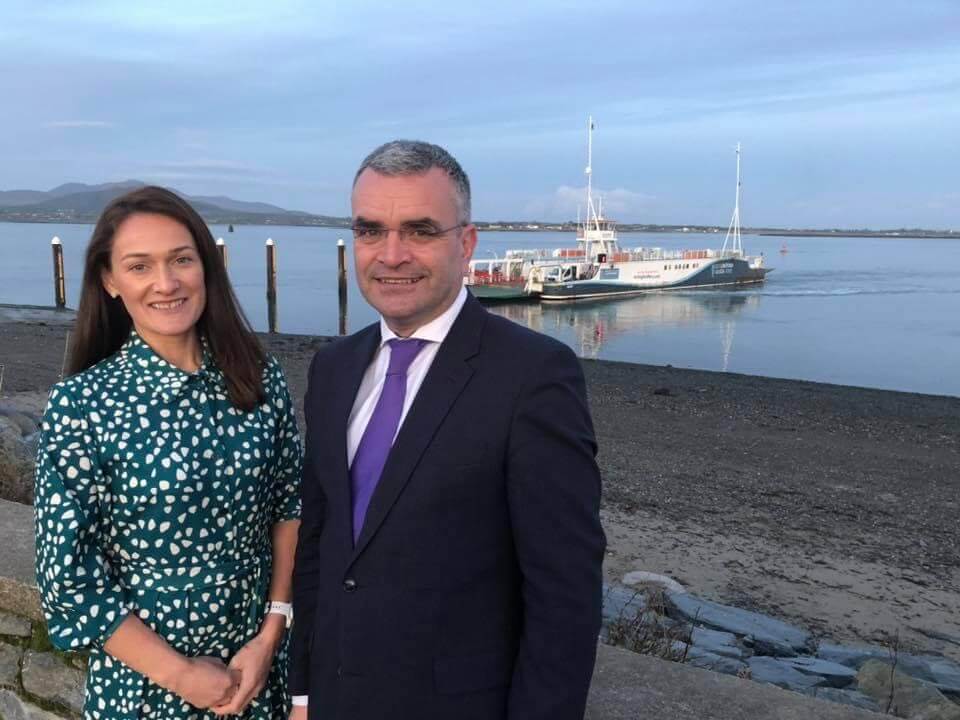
{"type": "Point", "coordinates": [414, 157]}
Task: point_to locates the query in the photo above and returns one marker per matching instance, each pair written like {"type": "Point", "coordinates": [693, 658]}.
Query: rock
{"type": "Point", "coordinates": [945, 674]}
{"type": "Point", "coordinates": [853, 656]}
{"type": "Point", "coordinates": [17, 457]}
{"type": "Point", "coordinates": [769, 636]}
{"type": "Point", "coordinates": [47, 677]}
{"type": "Point", "coordinates": [711, 661]}
{"type": "Point", "coordinates": [9, 665]}
{"type": "Point", "coordinates": [781, 673]}
{"type": "Point", "coordinates": [855, 698]}
{"type": "Point", "coordinates": [642, 577]}
{"type": "Point", "coordinates": [939, 671]}
{"type": "Point", "coordinates": [835, 674]}
{"type": "Point", "coordinates": [716, 642]}
{"type": "Point", "coordinates": [912, 698]}
{"type": "Point", "coordinates": [35, 713]}
{"type": "Point", "coordinates": [620, 603]}
{"type": "Point", "coordinates": [14, 625]}
{"type": "Point", "coordinates": [627, 686]}
{"type": "Point", "coordinates": [11, 708]}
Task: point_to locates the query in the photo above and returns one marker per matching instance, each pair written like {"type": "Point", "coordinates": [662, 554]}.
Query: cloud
{"type": "Point", "coordinates": [619, 203]}
{"type": "Point", "coordinates": [80, 124]}
{"type": "Point", "coordinates": [204, 167]}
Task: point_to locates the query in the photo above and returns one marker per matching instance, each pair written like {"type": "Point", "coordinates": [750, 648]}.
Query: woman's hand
{"type": "Point", "coordinates": [206, 682]}
{"type": "Point", "coordinates": [253, 661]}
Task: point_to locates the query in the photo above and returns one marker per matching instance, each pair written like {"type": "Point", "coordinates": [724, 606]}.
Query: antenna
{"type": "Point", "coordinates": [733, 231]}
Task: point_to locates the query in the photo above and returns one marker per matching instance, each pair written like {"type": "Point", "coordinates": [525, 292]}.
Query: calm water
{"type": "Point", "coordinates": [858, 311]}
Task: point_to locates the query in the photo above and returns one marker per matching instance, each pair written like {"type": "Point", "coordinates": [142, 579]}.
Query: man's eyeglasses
{"type": "Point", "coordinates": [370, 234]}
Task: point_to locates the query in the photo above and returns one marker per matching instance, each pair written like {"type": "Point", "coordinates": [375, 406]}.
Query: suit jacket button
{"type": "Point", "coordinates": [349, 584]}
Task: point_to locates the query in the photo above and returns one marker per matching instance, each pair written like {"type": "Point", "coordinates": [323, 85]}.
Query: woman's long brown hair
{"type": "Point", "coordinates": [103, 323]}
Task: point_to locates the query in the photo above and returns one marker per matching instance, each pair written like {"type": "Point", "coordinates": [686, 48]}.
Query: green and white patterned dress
{"type": "Point", "coordinates": [155, 496]}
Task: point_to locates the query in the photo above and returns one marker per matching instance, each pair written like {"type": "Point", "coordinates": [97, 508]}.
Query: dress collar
{"type": "Point", "coordinates": [164, 379]}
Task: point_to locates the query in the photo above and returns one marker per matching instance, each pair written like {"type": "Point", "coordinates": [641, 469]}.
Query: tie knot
{"type": "Point", "coordinates": [402, 353]}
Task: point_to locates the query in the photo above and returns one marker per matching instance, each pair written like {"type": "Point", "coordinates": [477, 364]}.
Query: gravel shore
{"type": "Point", "coordinates": [832, 507]}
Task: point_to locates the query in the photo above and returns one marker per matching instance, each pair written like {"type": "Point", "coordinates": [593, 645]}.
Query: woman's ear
{"type": "Point", "coordinates": [106, 277]}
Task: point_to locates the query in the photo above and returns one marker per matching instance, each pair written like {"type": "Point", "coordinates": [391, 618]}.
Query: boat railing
{"type": "Point", "coordinates": [642, 253]}
{"type": "Point", "coordinates": [499, 271]}
{"type": "Point", "coordinates": [529, 254]}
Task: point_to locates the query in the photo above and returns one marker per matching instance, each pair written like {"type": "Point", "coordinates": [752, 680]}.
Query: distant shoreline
{"type": "Point", "coordinates": [911, 235]}
{"type": "Point", "coordinates": [570, 227]}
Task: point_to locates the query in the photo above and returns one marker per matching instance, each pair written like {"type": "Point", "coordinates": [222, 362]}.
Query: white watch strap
{"type": "Point", "coordinates": [281, 608]}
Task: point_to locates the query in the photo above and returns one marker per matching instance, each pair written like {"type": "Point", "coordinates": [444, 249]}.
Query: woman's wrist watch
{"type": "Point", "coordinates": [281, 608]}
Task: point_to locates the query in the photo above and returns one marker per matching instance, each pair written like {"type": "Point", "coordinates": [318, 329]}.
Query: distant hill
{"type": "Point", "coordinates": [78, 202]}
{"type": "Point", "coordinates": [226, 203]}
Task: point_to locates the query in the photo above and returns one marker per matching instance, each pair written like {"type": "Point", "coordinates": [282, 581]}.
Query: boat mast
{"type": "Point", "coordinates": [736, 246]}
{"type": "Point", "coordinates": [591, 213]}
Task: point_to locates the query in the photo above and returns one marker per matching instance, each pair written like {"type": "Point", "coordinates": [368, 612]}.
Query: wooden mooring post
{"type": "Point", "coordinates": [59, 279]}
{"type": "Point", "coordinates": [271, 286]}
{"type": "Point", "coordinates": [342, 283]}
{"type": "Point", "coordinates": [222, 248]}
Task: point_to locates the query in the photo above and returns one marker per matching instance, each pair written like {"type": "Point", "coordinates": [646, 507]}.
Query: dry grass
{"type": "Point", "coordinates": [645, 632]}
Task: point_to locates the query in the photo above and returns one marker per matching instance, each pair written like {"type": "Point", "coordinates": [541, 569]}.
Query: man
{"type": "Point", "coordinates": [449, 559]}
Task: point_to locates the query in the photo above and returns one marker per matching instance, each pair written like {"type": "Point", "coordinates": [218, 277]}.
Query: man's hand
{"type": "Point", "coordinates": [253, 662]}
{"type": "Point", "coordinates": [299, 712]}
{"type": "Point", "coordinates": [206, 682]}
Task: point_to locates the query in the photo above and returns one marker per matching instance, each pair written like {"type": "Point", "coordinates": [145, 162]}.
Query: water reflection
{"type": "Point", "coordinates": [595, 323]}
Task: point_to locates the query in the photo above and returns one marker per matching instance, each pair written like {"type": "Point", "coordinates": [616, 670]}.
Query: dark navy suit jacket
{"type": "Point", "coordinates": [474, 590]}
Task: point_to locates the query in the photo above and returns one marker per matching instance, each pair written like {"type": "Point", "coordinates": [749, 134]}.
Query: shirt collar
{"type": "Point", "coordinates": [434, 331]}
{"type": "Point", "coordinates": [164, 379]}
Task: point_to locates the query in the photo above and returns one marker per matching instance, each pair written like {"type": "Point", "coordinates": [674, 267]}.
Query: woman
{"type": "Point", "coordinates": [167, 481]}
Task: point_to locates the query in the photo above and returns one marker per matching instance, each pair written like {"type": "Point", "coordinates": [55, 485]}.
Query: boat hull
{"type": "Point", "coordinates": [490, 294]}
{"type": "Point", "coordinates": [608, 283]}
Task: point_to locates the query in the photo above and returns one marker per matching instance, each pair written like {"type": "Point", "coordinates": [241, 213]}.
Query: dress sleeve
{"type": "Point", "coordinates": [289, 456]}
{"type": "Point", "coordinates": [81, 600]}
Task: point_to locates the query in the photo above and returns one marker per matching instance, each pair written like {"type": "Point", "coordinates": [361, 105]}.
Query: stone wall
{"type": "Point", "coordinates": [36, 681]}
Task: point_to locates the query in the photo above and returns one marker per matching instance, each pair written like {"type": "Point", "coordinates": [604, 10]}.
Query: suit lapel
{"type": "Point", "coordinates": [353, 365]}
{"type": "Point", "coordinates": [446, 379]}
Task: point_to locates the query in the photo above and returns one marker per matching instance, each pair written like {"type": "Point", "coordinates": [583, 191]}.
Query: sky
{"type": "Point", "coordinates": [848, 111]}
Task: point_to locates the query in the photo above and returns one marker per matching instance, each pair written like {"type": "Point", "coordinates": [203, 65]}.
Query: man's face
{"type": "Point", "coordinates": [410, 280]}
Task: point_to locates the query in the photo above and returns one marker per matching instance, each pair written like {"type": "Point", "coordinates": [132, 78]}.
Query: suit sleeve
{"type": "Point", "coordinates": [305, 570]}
{"type": "Point", "coordinates": [554, 496]}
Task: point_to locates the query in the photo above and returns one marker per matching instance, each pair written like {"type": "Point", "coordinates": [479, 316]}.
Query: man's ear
{"type": "Point", "coordinates": [468, 242]}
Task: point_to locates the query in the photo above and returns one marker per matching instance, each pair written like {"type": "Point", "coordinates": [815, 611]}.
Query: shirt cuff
{"type": "Point", "coordinates": [299, 700]}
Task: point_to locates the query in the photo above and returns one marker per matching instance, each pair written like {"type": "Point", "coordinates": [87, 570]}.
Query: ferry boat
{"type": "Point", "coordinates": [522, 274]}
{"type": "Point", "coordinates": [616, 272]}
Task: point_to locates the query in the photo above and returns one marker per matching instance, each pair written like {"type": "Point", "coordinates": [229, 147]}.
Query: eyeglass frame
{"type": "Point", "coordinates": [403, 233]}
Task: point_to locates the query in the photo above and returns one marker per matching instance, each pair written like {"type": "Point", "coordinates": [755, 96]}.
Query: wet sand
{"type": "Point", "coordinates": [832, 507]}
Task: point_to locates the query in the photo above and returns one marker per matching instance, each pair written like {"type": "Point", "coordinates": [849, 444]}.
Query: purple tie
{"type": "Point", "coordinates": [378, 436]}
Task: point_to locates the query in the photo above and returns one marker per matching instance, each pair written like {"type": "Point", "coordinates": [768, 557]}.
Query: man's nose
{"type": "Point", "coordinates": [394, 250]}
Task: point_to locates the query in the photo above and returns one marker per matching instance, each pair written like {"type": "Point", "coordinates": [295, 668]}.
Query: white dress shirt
{"type": "Point", "coordinates": [435, 332]}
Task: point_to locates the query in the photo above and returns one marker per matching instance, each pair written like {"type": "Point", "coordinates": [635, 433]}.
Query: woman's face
{"type": "Point", "coordinates": [156, 271]}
